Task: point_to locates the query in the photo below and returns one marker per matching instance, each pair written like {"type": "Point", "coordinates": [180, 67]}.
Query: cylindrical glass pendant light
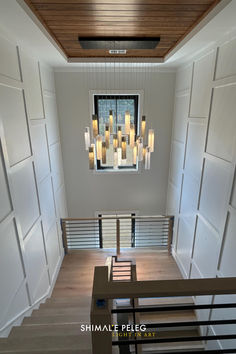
{"type": "Point", "coordinates": [99, 147]}
{"type": "Point", "coordinates": [91, 158]}
{"type": "Point", "coordinates": [135, 152]}
{"type": "Point", "coordinates": [144, 153]}
{"type": "Point", "coordinates": [87, 138]}
{"type": "Point", "coordinates": [123, 146]}
{"type": "Point", "coordinates": [115, 159]}
{"type": "Point", "coordinates": [140, 148]}
{"type": "Point", "coordinates": [127, 122]}
{"type": "Point", "coordinates": [110, 121]}
{"type": "Point", "coordinates": [115, 141]}
{"type": "Point", "coordinates": [119, 150]}
{"type": "Point", "coordinates": [143, 126]}
{"type": "Point", "coordinates": [132, 135]}
{"type": "Point", "coordinates": [147, 158]}
{"type": "Point", "coordinates": [107, 136]}
{"type": "Point", "coordinates": [95, 125]}
{"type": "Point", "coordinates": [151, 139]}
{"type": "Point", "coordinates": [104, 153]}
{"type": "Point", "coordinates": [119, 135]}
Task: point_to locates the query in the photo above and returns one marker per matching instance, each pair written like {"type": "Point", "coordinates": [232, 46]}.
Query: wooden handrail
{"type": "Point", "coordinates": [103, 289]}
{"type": "Point", "coordinates": [159, 217]}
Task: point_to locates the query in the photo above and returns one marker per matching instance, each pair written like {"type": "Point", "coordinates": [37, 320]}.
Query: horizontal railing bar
{"type": "Point", "coordinates": [188, 323]}
{"type": "Point", "coordinates": [78, 237]}
{"type": "Point", "coordinates": [81, 235]}
{"type": "Point", "coordinates": [154, 240]}
{"type": "Point", "coordinates": [206, 351]}
{"type": "Point", "coordinates": [152, 237]}
{"type": "Point", "coordinates": [173, 308]}
{"type": "Point", "coordinates": [87, 226]}
{"type": "Point", "coordinates": [157, 217]}
{"type": "Point", "coordinates": [83, 243]}
{"type": "Point", "coordinates": [145, 245]}
{"type": "Point", "coordinates": [174, 339]}
{"type": "Point", "coordinates": [83, 248]}
{"type": "Point", "coordinates": [82, 223]}
{"type": "Point", "coordinates": [81, 230]}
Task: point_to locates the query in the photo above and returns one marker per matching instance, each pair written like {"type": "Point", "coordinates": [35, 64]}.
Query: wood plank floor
{"type": "Point", "coordinates": [55, 326]}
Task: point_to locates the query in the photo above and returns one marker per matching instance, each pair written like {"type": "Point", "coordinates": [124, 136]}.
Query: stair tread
{"type": "Point", "coordinates": [57, 319]}
{"type": "Point", "coordinates": [166, 301]}
{"type": "Point", "coordinates": [79, 341]}
{"type": "Point", "coordinates": [45, 329]}
{"type": "Point", "coordinates": [163, 317]}
{"type": "Point", "coordinates": [65, 311]}
{"type": "Point", "coordinates": [49, 351]}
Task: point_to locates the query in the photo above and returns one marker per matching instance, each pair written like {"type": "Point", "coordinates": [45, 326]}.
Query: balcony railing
{"type": "Point", "coordinates": [110, 285]}
{"type": "Point", "coordinates": [117, 232]}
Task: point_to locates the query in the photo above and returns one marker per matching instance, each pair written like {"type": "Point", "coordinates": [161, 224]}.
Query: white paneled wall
{"type": "Point", "coordinates": [201, 190]}
{"type": "Point", "coordinates": [32, 189]}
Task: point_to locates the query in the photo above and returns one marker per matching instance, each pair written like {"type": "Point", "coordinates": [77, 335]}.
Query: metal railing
{"type": "Point", "coordinates": [117, 232]}
{"type": "Point", "coordinates": [107, 289]}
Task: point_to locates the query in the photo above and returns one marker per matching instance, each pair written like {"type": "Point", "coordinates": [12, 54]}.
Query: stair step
{"type": "Point", "coordinates": [56, 351]}
{"type": "Point", "coordinates": [85, 302]}
{"type": "Point", "coordinates": [66, 311]}
{"type": "Point", "coordinates": [166, 301]}
{"type": "Point", "coordinates": [177, 347]}
{"type": "Point", "coordinates": [70, 342]}
{"type": "Point", "coordinates": [58, 319]}
{"type": "Point", "coordinates": [170, 316]}
{"type": "Point", "coordinates": [34, 331]}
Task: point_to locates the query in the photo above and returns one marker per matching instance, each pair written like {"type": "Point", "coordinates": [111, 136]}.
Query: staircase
{"type": "Point", "coordinates": [53, 328]}
{"type": "Point", "coordinates": [161, 318]}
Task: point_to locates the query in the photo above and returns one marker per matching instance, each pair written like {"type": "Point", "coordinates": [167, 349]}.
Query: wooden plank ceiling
{"type": "Point", "coordinates": [172, 20]}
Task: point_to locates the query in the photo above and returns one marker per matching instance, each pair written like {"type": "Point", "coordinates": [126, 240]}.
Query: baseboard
{"type": "Point", "coordinates": [17, 320]}
{"type": "Point", "coordinates": [179, 264]}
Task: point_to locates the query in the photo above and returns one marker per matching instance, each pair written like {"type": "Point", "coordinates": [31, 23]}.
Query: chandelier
{"type": "Point", "coordinates": [117, 139]}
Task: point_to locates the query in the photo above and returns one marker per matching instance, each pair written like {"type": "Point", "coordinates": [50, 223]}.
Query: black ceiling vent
{"type": "Point", "coordinates": [119, 43]}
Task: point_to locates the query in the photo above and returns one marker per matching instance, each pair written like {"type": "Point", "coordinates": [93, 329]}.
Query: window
{"type": "Point", "coordinates": [119, 104]}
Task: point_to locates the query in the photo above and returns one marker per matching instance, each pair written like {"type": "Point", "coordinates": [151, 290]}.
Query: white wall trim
{"type": "Point", "coordinates": [17, 320]}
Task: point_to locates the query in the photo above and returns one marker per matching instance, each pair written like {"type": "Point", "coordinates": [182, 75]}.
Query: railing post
{"type": "Point", "coordinates": [101, 315]}
{"type": "Point", "coordinates": [117, 237]}
{"type": "Point", "coordinates": [133, 230]}
{"type": "Point", "coordinates": [100, 232]}
{"type": "Point", "coordinates": [170, 234]}
{"type": "Point", "coordinates": [64, 238]}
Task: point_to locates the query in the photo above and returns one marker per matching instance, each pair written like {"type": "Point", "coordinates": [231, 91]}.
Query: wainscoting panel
{"type": "Point", "coordinates": [25, 195]}
{"type": "Point", "coordinates": [31, 249]}
{"type": "Point", "coordinates": [46, 203]}
{"type": "Point", "coordinates": [9, 63]}
{"type": "Point", "coordinates": [203, 72]}
{"type": "Point", "coordinates": [40, 151]}
{"type": "Point", "coordinates": [33, 92]}
{"type": "Point", "coordinates": [195, 148]}
{"type": "Point", "coordinates": [222, 124]}
{"type": "Point", "coordinates": [207, 245]}
{"type": "Point", "coordinates": [226, 65]}
{"type": "Point", "coordinates": [214, 193]}
{"type": "Point", "coordinates": [5, 205]}
{"type": "Point", "coordinates": [12, 112]}
{"type": "Point", "coordinates": [35, 258]}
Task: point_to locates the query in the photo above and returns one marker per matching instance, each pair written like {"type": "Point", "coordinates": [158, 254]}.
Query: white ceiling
{"type": "Point", "coordinates": [18, 26]}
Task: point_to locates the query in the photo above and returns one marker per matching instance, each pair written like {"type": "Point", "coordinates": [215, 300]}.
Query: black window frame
{"type": "Point", "coordinates": [116, 97]}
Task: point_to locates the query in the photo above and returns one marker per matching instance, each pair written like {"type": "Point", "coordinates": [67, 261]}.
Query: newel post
{"type": "Point", "coordinates": [170, 233]}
